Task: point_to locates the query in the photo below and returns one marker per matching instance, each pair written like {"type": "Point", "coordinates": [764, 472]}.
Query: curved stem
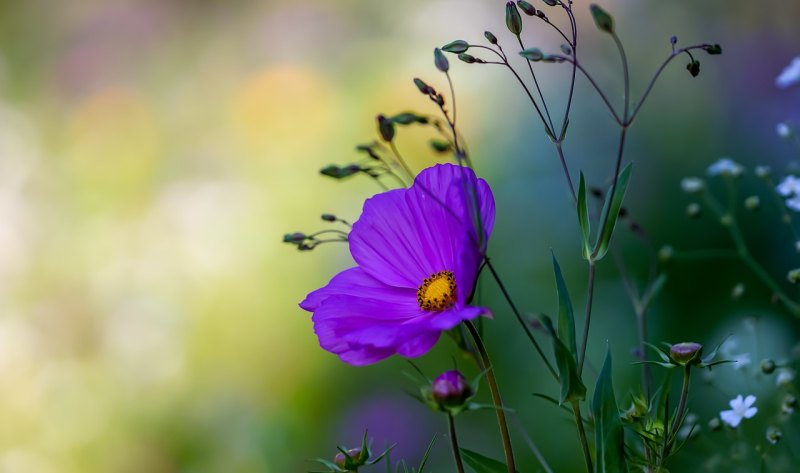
{"type": "Point", "coordinates": [626, 76]}
{"type": "Point", "coordinates": [400, 160]}
{"type": "Point", "coordinates": [588, 319]}
{"type": "Point", "coordinates": [539, 90]}
{"type": "Point", "coordinates": [587, 457]}
{"type": "Point", "coordinates": [680, 412]}
{"type": "Point", "coordinates": [485, 365]}
{"type": "Point", "coordinates": [520, 319]}
{"type": "Point", "coordinates": [451, 424]}
{"type": "Point", "coordinates": [591, 80]}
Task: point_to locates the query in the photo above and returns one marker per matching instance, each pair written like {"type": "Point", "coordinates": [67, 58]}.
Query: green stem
{"type": "Point", "coordinates": [680, 412]}
{"type": "Point", "coordinates": [451, 424]}
{"type": "Point", "coordinates": [587, 457]}
{"type": "Point", "coordinates": [520, 319]}
{"type": "Point", "coordinates": [485, 365]}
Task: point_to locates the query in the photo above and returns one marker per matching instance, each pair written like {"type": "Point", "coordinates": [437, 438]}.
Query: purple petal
{"type": "Point", "coordinates": [355, 282]}
{"type": "Point", "coordinates": [419, 345]}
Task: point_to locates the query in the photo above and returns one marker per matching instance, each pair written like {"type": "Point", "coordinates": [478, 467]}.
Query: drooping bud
{"type": "Point", "coordinates": [457, 46]}
{"type": "Point", "coordinates": [423, 87]}
{"type": "Point", "coordinates": [687, 353]}
{"type": "Point", "coordinates": [673, 40]}
{"type": "Point", "coordinates": [768, 366]}
{"type": "Point", "coordinates": [513, 19]}
{"type": "Point", "coordinates": [693, 67]}
{"type": "Point", "coordinates": [713, 49]}
{"type": "Point", "coordinates": [490, 37]}
{"type": "Point", "coordinates": [602, 19]}
{"type": "Point", "coordinates": [386, 128]}
{"type": "Point", "coordinates": [440, 60]}
{"type": "Point", "coordinates": [440, 146]}
{"type": "Point", "coordinates": [328, 217]}
{"type": "Point", "coordinates": [552, 3]}
{"type": "Point", "coordinates": [451, 389]}
{"type": "Point", "coordinates": [526, 7]}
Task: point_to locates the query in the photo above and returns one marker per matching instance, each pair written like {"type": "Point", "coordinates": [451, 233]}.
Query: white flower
{"type": "Point", "coordinates": [725, 167]}
{"type": "Point", "coordinates": [784, 377]}
{"type": "Point", "coordinates": [740, 409]}
{"type": "Point", "coordinates": [692, 185]}
{"type": "Point", "coordinates": [784, 130]}
{"type": "Point", "coordinates": [789, 186]}
{"type": "Point", "coordinates": [794, 203]}
{"type": "Point", "coordinates": [790, 74]}
{"type": "Point", "coordinates": [762, 171]}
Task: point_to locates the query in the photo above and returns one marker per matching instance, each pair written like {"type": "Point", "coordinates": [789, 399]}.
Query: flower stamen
{"type": "Point", "coordinates": [437, 292]}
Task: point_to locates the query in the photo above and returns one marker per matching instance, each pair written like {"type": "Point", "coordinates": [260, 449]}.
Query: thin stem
{"type": "Point", "coordinates": [680, 412]}
{"type": "Point", "coordinates": [587, 321]}
{"type": "Point", "coordinates": [604, 218]}
{"type": "Point", "coordinates": [532, 445]}
{"type": "Point", "coordinates": [520, 319]}
{"type": "Point", "coordinates": [485, 365]}
{"type": "Point", "coordinates": [400, 159]}
{"type": "Point", "coordinates": [626, 75]}
{"type": "Point", "coordinates": [539, 90]}
{"type": "Point", "coordinates": [559, 148]}
{"type": "Point", "coordinates": [591, 80]}
{"type": "Point", "coordinates": [657, 74]}
{"type": "Point", "coordinates": [587, 457]}
{"type": "Point", "coordinates": [451, 424]}
{"type": "Point", "coordinates": [574, 46]}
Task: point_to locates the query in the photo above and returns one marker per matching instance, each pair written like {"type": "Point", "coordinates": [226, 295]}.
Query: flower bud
{"type": "Point", "coordinates": [526, 7]}
{"type": "Point", "coordinates": [451, 389]}
{"type": "Point", "coordinates": [351, 461]}
{"type": "Point", "coordinates": [666, 253]}
{"type": "Point", "coordinates": [774, 434]}
{"type": "Point", "coordinates": [295, 238]}
{"type": "Point", "coordinates": [602, 19]}
{"type": "Point", "coordinates": [552, 3]}
{"type": "Point", "coordinates": [457, 46]}
{"type": "Point", "coordinates": [752, 203]}
{"type": "Point", "coordinates": [687, 353]}
{"type": "Point", "coordinates": [513, 19]}
{"type": "Point", "coordinates": [328, 217]}
{"type": "Point", "coordinates": [692, 185]}
{"type": "Point", "coordinates": [693, 68]}
{"type": "Point", "coordinates": [767, 366]}
{"type": "Point", "coordinates": [423, 87]}
{"type": "Point", "coordinates": [467, 58]}
{"type": "Point", "coordinates": [714, 424]}
{"type": "Point", "coordinates": [737, 292]}
{"type": "Point", "coordinates": [386, 128]}
{"type": "Point", "coordinates": [763, 171]}
{"type": "Point", "coordinates": [490, 37]}
{"type": "Point", "coordinates": [694, 210]}
{"type": "Point", "coordinates": [440, 61]}
{"type": "Point", "coordinates": [793, 276]}
{"type": "Point", "coordinates": [790, 401]}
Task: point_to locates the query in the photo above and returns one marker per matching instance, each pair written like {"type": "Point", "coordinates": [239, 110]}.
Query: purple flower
{"type": "Point", "coordinates": [451, 389]}
{"type": "Point", "coordinates": [418, 254]}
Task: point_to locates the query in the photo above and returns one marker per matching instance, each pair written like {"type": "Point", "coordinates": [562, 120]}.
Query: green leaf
{"type": "Point", "coordinates": [583, 217]}
{"type": "Point", "coordinates": [457, 46]}
{"type": "Point", "coordinates": [572, 388]}
{"type": "Point", "coordinates": [481, 463]}
{"type": "Point", "coordinates": [532, 54]}
{"type": "Point", "coordinates": [566, 318]}
{"type": "Point", "coordinates": [609, 434]}
{"type": "Point", "coordinates": [612, 213]}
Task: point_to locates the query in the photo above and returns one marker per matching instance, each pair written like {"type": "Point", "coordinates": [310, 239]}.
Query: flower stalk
{"type": "Point", "coordinates": [451, 425]}
{"type": "Point", "coordinates": [485, 365]}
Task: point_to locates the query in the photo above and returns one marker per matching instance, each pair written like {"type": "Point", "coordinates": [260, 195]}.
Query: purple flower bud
{"type": "Point", "coordinates": [513, 20]}
{"type": "Point", "coordinates": [687, 353]}
{"type": "Point", "coordinates": [440, 61]}
{"type": "Point", "coordinates": [386, 128]}
{"type": "Point", "coordinates": [526, 7]}
{"type": "Point", "coordinates": [349, 462]}
{"type": "Point", "coordinates": [451, 389]}
{"type": "Point", "coordinates": [294, 238]}
{"type": "Point", "coordinates": [423, 87]}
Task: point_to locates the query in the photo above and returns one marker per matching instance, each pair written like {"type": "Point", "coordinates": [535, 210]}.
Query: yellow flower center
{"type": "Point", "coordinates": [437, 292]}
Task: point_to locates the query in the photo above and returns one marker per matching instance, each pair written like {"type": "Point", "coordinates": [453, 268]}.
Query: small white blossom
{"type": "Point", "coordinates": [790, 185]}
{"type": "Point", "coordinates": [725, 167]}
{"type": "Point", "coordinates": [794, 203]}
{"type": "Point", "coordinates": [790, 74]}
{"type": "Point", "coordinates": [740, 409]}
{"type": "Point", "coordinates": [692, 185]}
{"type": "Point", "coordinates": [785, 377]}
{"type": "Point", "coordinates": [762, 171]}
{"type": "Point", "coordinates": [784, 130]}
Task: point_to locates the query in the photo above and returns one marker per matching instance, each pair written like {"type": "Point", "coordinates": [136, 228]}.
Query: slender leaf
{"type": "Point", "coordinates": [612, 213]}
{"type": "Point", "coordinates": [583, 217]}
{"type": "Point", "coordinates": [481, 463]}
{"type": "Point", "coordinates": [566, 318]}
{"type": "Point", "coordinates": [609, 434]}
{"type": "Point", "coordinates": [572, 388]}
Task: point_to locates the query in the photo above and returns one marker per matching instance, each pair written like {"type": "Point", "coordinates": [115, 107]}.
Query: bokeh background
{"type": "Point", "coordinates": [152, 154]}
